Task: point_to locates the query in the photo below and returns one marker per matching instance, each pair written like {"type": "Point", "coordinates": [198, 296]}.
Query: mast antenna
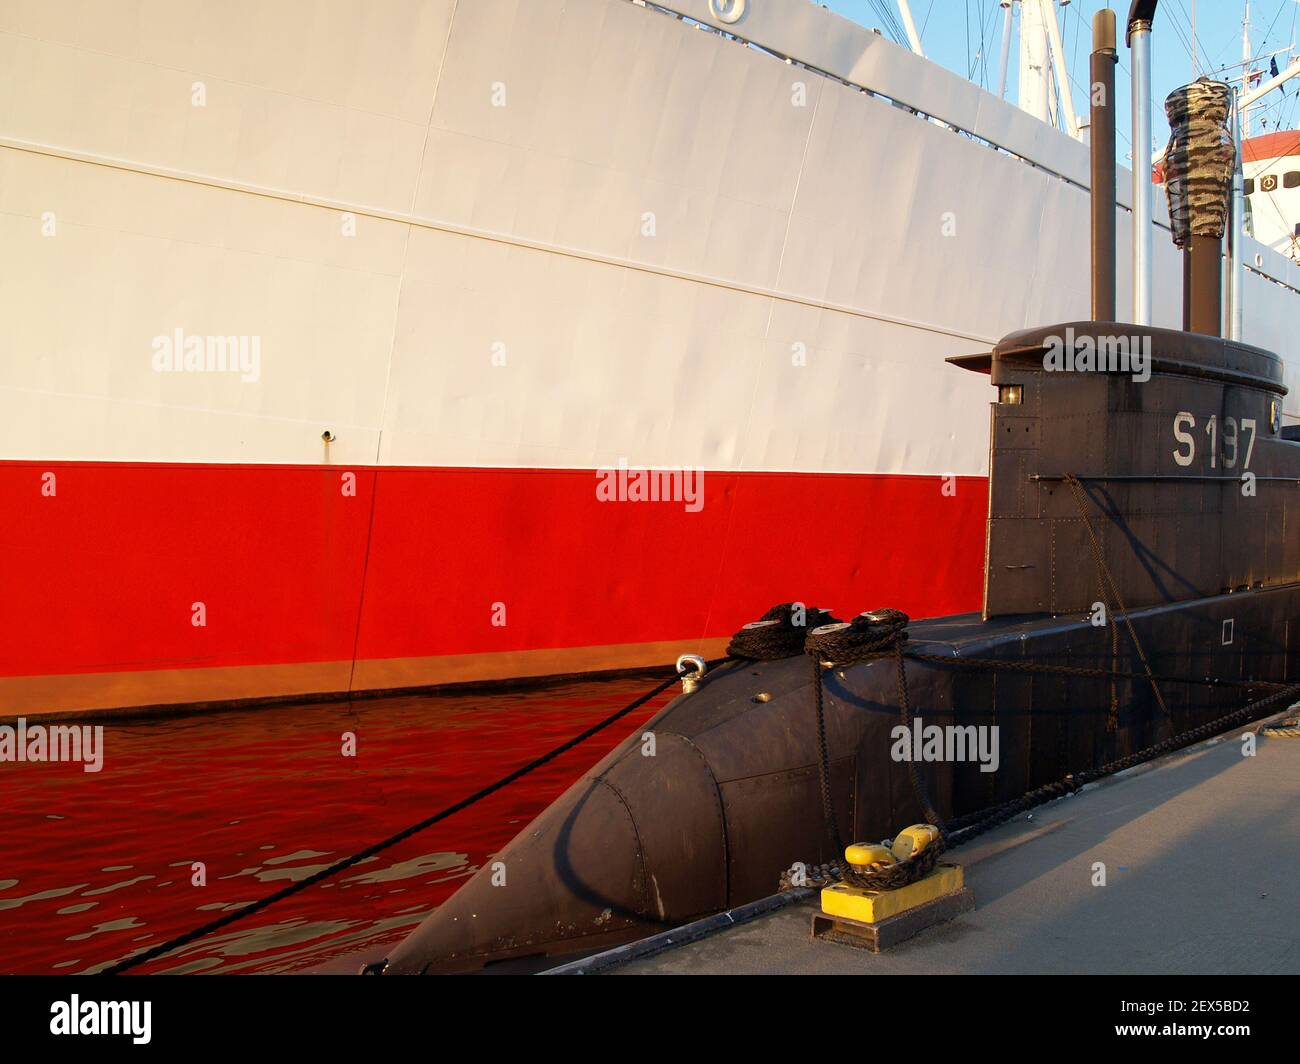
{"type": "Point", "coordinates": [1196, 72]}
{"type": "Point", "coordinates": [1246, 72]}
{"type": "Point", "coordinates": [1007, 17]}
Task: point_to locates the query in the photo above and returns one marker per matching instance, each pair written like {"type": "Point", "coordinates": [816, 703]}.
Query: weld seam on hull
{"type": "Point", "coordinates": [721, 809]}
{"type": "Point", "coordinates": [644, 899]}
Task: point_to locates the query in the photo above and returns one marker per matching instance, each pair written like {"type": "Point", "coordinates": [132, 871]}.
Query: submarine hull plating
{"type": "Point", "coordinates": [729, 798]}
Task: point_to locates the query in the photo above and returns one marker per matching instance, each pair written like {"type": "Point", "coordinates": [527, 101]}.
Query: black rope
{"type": "Point", "coordinates": [347, 862]}
{"type": "Point", "coordinates": [868, 636]}
{"type": "Point", "coordinates": [779, 633]}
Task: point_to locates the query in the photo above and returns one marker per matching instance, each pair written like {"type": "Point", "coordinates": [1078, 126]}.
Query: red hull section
{"type": "Point", "coordinates": [103, 575]}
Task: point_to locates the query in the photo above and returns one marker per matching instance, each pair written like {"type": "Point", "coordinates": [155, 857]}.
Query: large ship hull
{"type": "Point", "coordinates": [489, 250]}
{"type": "Point", "coordinates": [430, 576]}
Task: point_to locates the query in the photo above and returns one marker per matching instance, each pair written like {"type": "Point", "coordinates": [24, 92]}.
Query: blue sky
{"type": "Point", "coordinates": [951, 38]}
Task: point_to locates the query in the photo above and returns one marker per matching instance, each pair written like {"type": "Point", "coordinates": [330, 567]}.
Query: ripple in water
{"type": "Point", "coordinates": [100, 866]}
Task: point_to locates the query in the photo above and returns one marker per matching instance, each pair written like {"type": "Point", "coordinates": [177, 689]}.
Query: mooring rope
{"type": "Point", "coordinates": [176, 943]}
{"type": "Point", "coordinates": [779, 633]}
{"type": "Point", "coordinates": [866, 637]}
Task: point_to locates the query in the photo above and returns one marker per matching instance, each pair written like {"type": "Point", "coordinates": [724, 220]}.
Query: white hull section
{"type": "Point", "coordinates": [649, 224]}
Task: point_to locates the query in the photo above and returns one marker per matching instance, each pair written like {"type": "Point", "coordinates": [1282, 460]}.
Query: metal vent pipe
{"type": "Point", "coordinates": [1141, 15]}
{"type": "Point", "coordinates": [1103, 62]}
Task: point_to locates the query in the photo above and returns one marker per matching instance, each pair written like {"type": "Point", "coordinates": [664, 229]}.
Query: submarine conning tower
{"type": "Point", "coordinates": [1127, 462]}
{"type": "Point", "coordinates": [1176, 442]}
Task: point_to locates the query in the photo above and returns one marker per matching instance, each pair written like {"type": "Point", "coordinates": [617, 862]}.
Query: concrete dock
{"type": "Point", "coordinates": [1202, 862]}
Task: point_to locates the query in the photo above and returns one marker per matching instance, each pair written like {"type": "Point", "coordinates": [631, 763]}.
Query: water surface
{"type": "Point", "coordinates": [96, 866]}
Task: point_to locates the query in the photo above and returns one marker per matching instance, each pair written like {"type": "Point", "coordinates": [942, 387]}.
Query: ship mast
{"type": "Point", "coordinates": [1035, 77]}
{"type": "Point", "coordinates": [909, 26]}
{"type": "Point", "coordinates": [1245, 73]}
{"type": "Point", "coordinates": [1044, 69]}
{"type": "Point", "coordinates": [1007, 18]}
{"type": "Point", "coordinates": [1250, 97]}
{"type": "Point", "coordinates": [1196, 66]}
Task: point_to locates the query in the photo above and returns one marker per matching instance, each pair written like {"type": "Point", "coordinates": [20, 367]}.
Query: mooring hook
{"type": "Point", "coordinates": [691, 668]}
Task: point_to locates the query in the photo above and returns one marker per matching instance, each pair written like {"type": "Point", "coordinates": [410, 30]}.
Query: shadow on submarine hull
{"type": "Point", "coordinates": [730, 798]}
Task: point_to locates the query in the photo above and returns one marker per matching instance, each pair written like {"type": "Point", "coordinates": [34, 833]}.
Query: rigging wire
{"type": "Point", "coordinates": [1083, 32]}
{"type": "Point", "coordinates": [984, 56]}
{"type": "Point", "coordinates": [889, 21]}
{"type": "Point", "coordinates": [1191, 35]}
{"type": "Point", "coordinates": [1182, 35]}
{"type": "Point", "coordinates": [1269, 32]}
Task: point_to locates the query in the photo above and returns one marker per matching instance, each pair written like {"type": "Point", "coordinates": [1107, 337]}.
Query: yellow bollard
{"type": "Point", "coordinates": [878, 919]}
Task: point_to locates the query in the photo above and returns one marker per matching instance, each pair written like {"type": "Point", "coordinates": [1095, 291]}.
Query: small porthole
{"type": "Point", "coordinates": [1011, 395]}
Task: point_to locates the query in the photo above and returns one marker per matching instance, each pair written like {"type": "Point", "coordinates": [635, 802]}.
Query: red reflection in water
{"type": "Point", "coordinates": [98, 865]}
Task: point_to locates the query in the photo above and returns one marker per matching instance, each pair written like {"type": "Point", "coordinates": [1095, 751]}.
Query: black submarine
{"type": "Point", "coordinates": [1142, 581]}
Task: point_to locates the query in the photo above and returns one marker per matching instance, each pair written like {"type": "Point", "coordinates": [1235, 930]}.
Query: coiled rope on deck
{"type": "Point", "coordinates": [779, 633]}
{"type": "Point", "coordinates": [185, 939]}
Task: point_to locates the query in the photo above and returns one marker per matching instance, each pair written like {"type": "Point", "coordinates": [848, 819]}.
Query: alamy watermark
{"type": "Point", "coordinates": [1098, 354]}
{"type": "Point", "coordinates": [58, 742]}
{"type": "Point", "coordinates": [624, 483]}
{"type": "Point", "coordinates": [77, 1017]}
{"type": "Point", "coordinates": [179, 353]}
{"type": "Point", "coordinates": [950, 743]}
